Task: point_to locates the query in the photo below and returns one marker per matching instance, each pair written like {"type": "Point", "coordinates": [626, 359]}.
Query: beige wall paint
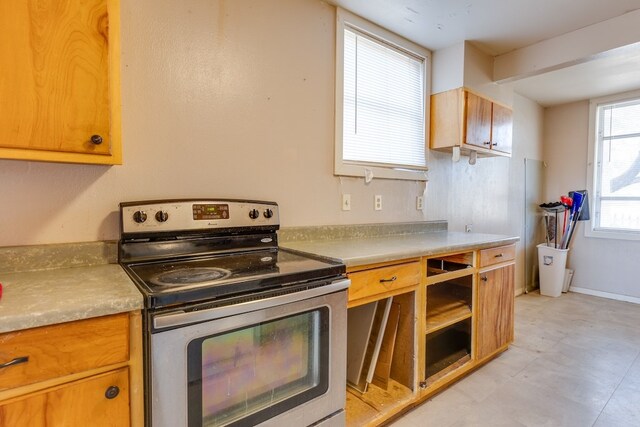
{"type": "Point", "coordinates": [220, 99]}
{"type": "Point", "coordinates": [235, 99]}
{"type": "Point", "coordinates": [602, 265]}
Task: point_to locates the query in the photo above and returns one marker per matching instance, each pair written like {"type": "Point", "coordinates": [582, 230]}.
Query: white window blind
{"type": "Point", "coordinates": [617, 169]}
{"type": "Point", "coordinates": [383, 104]}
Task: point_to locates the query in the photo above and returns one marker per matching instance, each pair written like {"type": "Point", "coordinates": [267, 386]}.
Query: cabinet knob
{"type": "Point", "coordinates": [487, 143]}
{"type": "Point", "coordinates": [499, 256]}
{"type": "Point", "coordinates": [483, 278]}
{"type": "Point", "coordinates": [96, 139]}
{"type": "Point", "coordinates": [393, 279]}
{"type": "Point", "coordinates": [112, 392]}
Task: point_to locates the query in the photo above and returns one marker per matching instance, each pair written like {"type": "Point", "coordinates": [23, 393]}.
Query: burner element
{"type": "Point", "coordinates": [189, 276]}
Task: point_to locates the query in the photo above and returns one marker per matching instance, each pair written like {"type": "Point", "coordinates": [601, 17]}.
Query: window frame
{"type": "Point", "coordinates": [345, 19]}
{"type": "Point", "coordinates": [594, 172]}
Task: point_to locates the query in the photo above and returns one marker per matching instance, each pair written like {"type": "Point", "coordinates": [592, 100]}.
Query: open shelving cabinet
{"type": "Point", "coordinates": [454, 313]}
{"type": "Point", "coordinates": [394, 385]}
{"type": "Point", "coordinates": [448, 321]}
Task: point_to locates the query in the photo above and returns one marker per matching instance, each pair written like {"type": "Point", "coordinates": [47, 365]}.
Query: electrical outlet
{"type": "Point", "coordinates": [377, 204]}
{"type": "Point", "coordinates": [419, 203]}
{"type": "Point", "coordinates": [346, 202]}
{"type": "Point", "coordinates": [467, 228]}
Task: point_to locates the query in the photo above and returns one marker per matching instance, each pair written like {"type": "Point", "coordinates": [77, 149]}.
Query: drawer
{"type": "Point", "coordinates": [67, 348]}
{"type": "Point", "coordinates": [383, 280]}
{"type": "Point", "coordinates": [497, 255]}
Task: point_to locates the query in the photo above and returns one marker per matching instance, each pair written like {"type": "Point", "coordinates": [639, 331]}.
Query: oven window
{"type": "Point", "coordinates": [248, 375]}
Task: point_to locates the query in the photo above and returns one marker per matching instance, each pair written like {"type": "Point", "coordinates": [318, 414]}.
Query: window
{"type": "Point", "coordinates": [615, 158]}
{"type": "Point", "coordinates": [382, 88]}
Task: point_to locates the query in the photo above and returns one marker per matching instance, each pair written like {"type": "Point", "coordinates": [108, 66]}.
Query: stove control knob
{"type": "Point", "coordinates": [268, 213]}
{"type": "Point", "coordinates": [139, 216]}
{"type": "Point", "coordinates": [254, 213]}
{"type": "Point", "coordinates": [162, 216]}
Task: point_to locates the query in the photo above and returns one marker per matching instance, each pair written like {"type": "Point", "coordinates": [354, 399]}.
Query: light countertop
{"type": "Point", "coordinates": [45, 297]}
{"type": "Point", "coordinates": [371, 250]}
{"type": "Point", "coordinates": [56, 295]}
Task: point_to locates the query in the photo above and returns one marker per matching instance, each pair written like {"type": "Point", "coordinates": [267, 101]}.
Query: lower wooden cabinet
{"type": "Point", "coordinates": [495, 310]}
{"type": "Point", "coordinates": [449, 314]}
{"type": "Point", "coordinates": [101, 400]}
{"type": "Point", "coordinates": [381, 336]}
{"type": "Point", "coordinates": [81, 373]}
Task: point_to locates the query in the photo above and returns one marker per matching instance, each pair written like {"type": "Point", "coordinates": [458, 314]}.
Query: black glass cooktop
{"type": "Point", "coordinates": [198, 279]}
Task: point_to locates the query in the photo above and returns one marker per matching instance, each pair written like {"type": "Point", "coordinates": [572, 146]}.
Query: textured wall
{"type": "Point", "coordinates": [236, 99]}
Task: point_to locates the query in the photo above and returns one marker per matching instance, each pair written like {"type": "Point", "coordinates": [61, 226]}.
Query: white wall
{"type": "Point", "coordinates": [236, 99]}
{"type": "Point", "coordinates": [603, 265]}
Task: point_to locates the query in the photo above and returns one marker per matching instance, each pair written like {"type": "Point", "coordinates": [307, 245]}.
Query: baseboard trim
{"type": "Point", "coordinates": [601, 294]}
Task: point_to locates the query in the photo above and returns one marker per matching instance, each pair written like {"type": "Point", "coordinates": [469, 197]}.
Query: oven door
{"type": "Point", "coordinates": [274, 361]}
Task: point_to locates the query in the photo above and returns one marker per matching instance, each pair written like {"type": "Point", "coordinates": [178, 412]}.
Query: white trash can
{"type": "Point", "coordinates": [551, 263]}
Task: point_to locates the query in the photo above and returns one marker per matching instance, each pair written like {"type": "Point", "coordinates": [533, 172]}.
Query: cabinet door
{"type": "Point", "coordinates": [98, 401]}
{"type": "Point", "coordinates": [501, 129]}
{"type": "Point", "coordinates": [55, 58]}
{"type": "Point", "coordinates": [478, 122]}
{"type": "Point", "coordinates": [495, 310]}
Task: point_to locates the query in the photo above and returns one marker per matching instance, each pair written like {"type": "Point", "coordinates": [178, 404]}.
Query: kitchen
{"type": "Point", "coordinates": [236, 100]}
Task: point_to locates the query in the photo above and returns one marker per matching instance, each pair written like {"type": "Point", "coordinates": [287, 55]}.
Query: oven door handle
{"type": "Point", "coordinates": [181, 317]}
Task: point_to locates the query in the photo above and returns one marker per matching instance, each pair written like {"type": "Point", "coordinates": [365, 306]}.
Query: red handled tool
{"type": "Point", "coordinates": [567, 202]}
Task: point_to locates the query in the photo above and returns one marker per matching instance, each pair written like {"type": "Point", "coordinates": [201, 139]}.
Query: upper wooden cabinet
{"type": "Point", "coordinates": [460, 118]}
{"type": "Point", "coordinates": [60, 83]}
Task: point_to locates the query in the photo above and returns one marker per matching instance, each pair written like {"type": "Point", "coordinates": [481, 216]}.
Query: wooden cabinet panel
{"type": "Point", "coordinates": [79, 403]}
{"type": "Point", "coordinates": [63, 349]}
{"type": "Point", "coordinates": [495, 310]}
{"type": "Point", "coordinates": [497, 255]}
{"type": "Point", "coordinates": [60, 83]}
{"type": "Point", "coordinates": [383, 280]}
{"type": "Point", "coordinates": [478, 121]}
{"type": "Point", "coordinates": [444, 131]}
{"type": "Point", "coordinates": [501, 129]}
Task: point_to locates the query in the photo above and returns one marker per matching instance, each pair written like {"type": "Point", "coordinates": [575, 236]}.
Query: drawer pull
{"type": "Point", "coordinates": [483, 278]}
{"type": "Point", "coordinates": [499, 255]}
{"type": "Point", "coordinates": [393, 279]}
{"type": "Point", "coordinates": [16, 361]}
{"type": "Point", "coordinates": [112, 392]}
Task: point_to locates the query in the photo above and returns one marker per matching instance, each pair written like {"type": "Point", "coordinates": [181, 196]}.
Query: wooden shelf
{"type": "Point", "coordinates": [376, 404]}
{"type": "Point", "coordinates": [450, 364]}
{"type": "Point", "coordinates": [445, 309]}
{"type": "Point", "coordinates": [443, 276]}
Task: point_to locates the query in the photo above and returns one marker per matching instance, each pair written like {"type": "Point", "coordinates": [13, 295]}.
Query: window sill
{"type": "Point", "coordinates": [611, 234]}
{"type": "Point", "coordinates": [379, 172]}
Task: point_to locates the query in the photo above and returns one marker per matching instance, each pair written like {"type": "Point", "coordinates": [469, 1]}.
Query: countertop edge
{"type": "Point", "coordinates": [416, 254]}
{"type": "Point", "coordinates": [399, 255]}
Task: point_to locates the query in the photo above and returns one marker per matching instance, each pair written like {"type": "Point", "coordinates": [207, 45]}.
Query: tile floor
{"type": "Point", "coordinates": [575, 362]}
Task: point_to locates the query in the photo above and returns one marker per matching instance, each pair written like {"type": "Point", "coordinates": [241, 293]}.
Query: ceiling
{"type": "Point", "coordinates": [501, 26]}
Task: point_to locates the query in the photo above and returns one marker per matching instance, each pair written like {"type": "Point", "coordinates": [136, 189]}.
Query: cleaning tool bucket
{"type": "Point", "coordinates": [551, 262]}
